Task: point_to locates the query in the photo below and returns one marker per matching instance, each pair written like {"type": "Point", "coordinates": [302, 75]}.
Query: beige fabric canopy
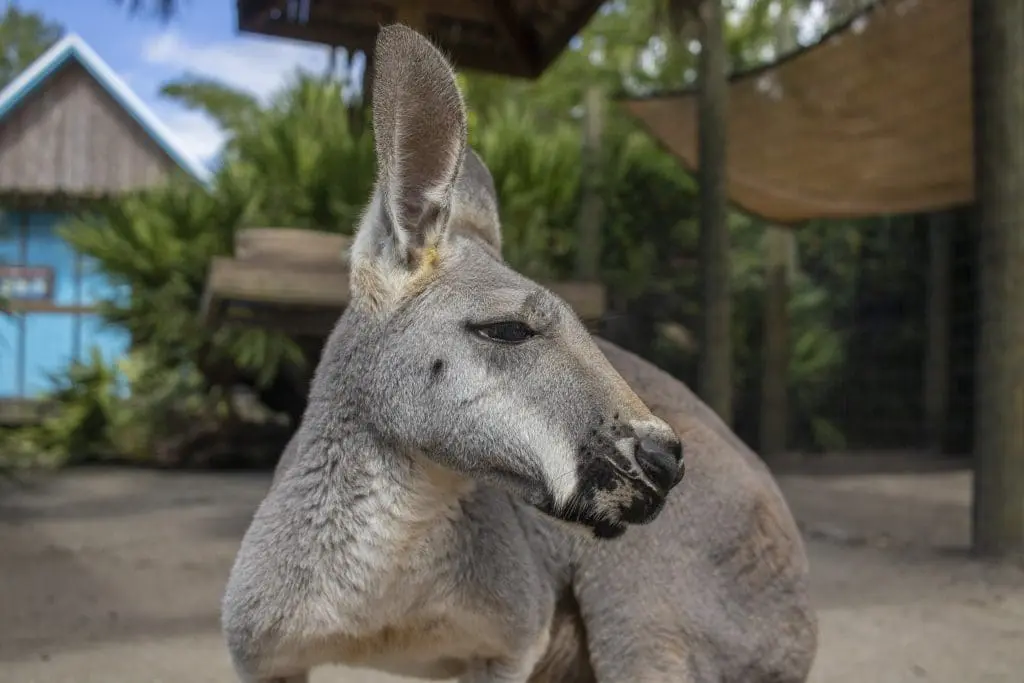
{"type": "Point", "coordinates": [874, 119]}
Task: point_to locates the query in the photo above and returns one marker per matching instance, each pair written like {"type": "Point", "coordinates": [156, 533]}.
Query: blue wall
{"type": "Point", "coordinates": [37, 344]}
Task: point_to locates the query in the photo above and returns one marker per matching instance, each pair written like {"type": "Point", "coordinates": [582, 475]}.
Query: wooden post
{"type": "Point", "coordinates": [937, 339]}
{"type": "Point", "coordinates": [998, 69]}
{"type": "Point", "coordinates": [591, 216]}
{"type": "Point", "coordinates": [780, 244]}
{"type": "Point", "coordinates": [715, 380]}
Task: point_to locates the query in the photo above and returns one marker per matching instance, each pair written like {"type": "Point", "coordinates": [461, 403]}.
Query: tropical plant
{"type": "Point", "coordinates": [86, 393]}
{"type": "Point", "coordinates": [155, 247]}
{"type": "Point", "coordinates": [296, 164]}
{"type": "Point", "coordinates": [24, 36]}
{"type": "Point", "coordinates": [538, 182]}
{"type": "Point", "coordinates": [138, 410]}
{"type": "Point", "coordinates": [305, 159]}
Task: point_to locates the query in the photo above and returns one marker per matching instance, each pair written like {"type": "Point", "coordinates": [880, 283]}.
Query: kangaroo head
{"type": "Point", "coordinates": [459, 358]}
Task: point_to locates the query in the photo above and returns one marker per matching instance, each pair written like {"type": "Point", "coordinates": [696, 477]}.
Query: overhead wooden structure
{"type": "Point", "coordinates": [874, 119]}
{"type": "Point", "coordinates": [509, 37]}
{"type": "Point", "coordinates": [296, 281]}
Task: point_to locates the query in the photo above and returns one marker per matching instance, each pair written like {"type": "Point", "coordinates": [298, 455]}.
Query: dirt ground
{"type": "Point", "coordinates": [114, 576]}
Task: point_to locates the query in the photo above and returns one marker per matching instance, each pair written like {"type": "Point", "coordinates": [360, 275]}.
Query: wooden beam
{"type": "Point", "coordinates": [265, 286]}
{"type": "Point", "coordinates": [254, 14]}
{"type": "Point", "coordinates": [19, 412]}
{"type": "Point", "coordinates": [998, 55]}
{"type": "Point", "coordinates": [588, 299]}
{"type": "Point", "coordinates": [715, 277]}
{"type": "Point", "coordinates": [348, 28]}
{"type": "Point", "coordinates": [937, 337]}
{"type": "Point", "coordinates": [521, 37]}
{"type": "Point", "coordinates": [280, 246]}
{"type": "Point", "coordinates": [573, 24]}
{"type": "Point", "coordinates": [18, 307]}
{"type": "Point", "coordinates": [351, 37]}
{"type": "Point", "coordinates": [231, 279]}
{"type": "Point", "coordinates": [364, 38]}
{"type": "Point", "coordinates": [412, 13]}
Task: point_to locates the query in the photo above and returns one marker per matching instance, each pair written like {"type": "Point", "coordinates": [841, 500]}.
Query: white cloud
{"type": "Point", "coordinates": [260, 66]}
{"type": "Point", "coordinates": [196, 132]}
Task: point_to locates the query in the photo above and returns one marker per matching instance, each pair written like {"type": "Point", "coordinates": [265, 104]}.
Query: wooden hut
{"type": "Point", "coordinates": [71, 134]}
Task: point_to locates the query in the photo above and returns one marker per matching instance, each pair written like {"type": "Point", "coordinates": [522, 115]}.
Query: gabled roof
{"type": "Point", "coordinates": [72, 47]}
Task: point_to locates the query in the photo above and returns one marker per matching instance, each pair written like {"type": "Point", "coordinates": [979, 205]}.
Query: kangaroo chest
{"type": "Point", "coordinates": [421, 645]}
{"type": "Point", "coordinates": [392, 597]}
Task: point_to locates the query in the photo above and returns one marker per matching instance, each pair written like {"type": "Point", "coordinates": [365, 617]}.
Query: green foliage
{"type": "Point", "coordinates": [297, 164]}
{"type": "Point", "coordinates": [538, 181]}
{"type": "Point", "coordinates": [306, 156]}
{"type": "Point", "coordinates": [136, 410]}
{"type": "Point", "coordinates": [24, 36]}
{"type": "Point", "coordinates": [306, 160]}
{"type": "Point", "coordinates": [156, 248]}
{"type": "Point", "coordinates": [86, 394]}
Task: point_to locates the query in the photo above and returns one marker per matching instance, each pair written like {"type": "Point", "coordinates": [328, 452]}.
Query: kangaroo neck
{"type": "Point", "coordinates": [357, 467]}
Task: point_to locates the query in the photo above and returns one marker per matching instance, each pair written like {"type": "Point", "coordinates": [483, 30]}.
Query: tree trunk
{"type": "Point", "coordinates": [716, 335]}
{"type": "Point", "coordinates": [774, 422]}
{"type": "Point", "coordinates": [998, 39]}
{"type": "Point", "coordinates": [588, 252]}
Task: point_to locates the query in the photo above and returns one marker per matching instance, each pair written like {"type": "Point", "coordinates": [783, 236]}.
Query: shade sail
{"type": "Point", "coordinates": [874, 119]}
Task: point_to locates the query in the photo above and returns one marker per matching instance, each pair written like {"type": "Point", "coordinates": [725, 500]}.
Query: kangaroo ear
{"type": "Point", "coordinates": [476, 201]}
{"type": "Point", "coordinates": [419, 124]}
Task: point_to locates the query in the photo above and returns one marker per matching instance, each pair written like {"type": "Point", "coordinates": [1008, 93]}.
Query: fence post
{"type": "Point", "coordinates": [998, 69]}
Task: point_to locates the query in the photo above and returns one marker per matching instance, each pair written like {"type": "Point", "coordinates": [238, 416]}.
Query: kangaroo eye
{"type": "Point", "coordinates": [506, 332]}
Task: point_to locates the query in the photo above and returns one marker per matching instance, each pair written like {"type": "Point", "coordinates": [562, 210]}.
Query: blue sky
{"type": "Point", "coordinates": [202, 40]}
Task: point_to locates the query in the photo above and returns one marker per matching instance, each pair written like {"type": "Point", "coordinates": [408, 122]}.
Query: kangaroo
{"type": "Point", "coordinates": [474, 491]}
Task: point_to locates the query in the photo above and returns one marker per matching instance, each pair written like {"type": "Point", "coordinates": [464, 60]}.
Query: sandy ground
{"type": "Point", "coordinates": [111, 576]}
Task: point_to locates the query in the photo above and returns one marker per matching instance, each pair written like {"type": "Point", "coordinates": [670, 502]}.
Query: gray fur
{"type": "Point", "coordinates": [435, 513]}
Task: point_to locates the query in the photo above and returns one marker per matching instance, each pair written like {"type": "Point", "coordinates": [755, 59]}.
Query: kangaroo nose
{"type": "Point", "coordinates": [662, 461]}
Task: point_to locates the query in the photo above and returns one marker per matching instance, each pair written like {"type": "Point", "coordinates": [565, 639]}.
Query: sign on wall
{"type": "Point", "coordinates": [26, 283]}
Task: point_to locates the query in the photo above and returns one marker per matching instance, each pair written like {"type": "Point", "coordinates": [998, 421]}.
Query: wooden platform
{"type": "Point", "coordinates": [17, 412]}
{"type": "Point", "coordinates": [297, 281]}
